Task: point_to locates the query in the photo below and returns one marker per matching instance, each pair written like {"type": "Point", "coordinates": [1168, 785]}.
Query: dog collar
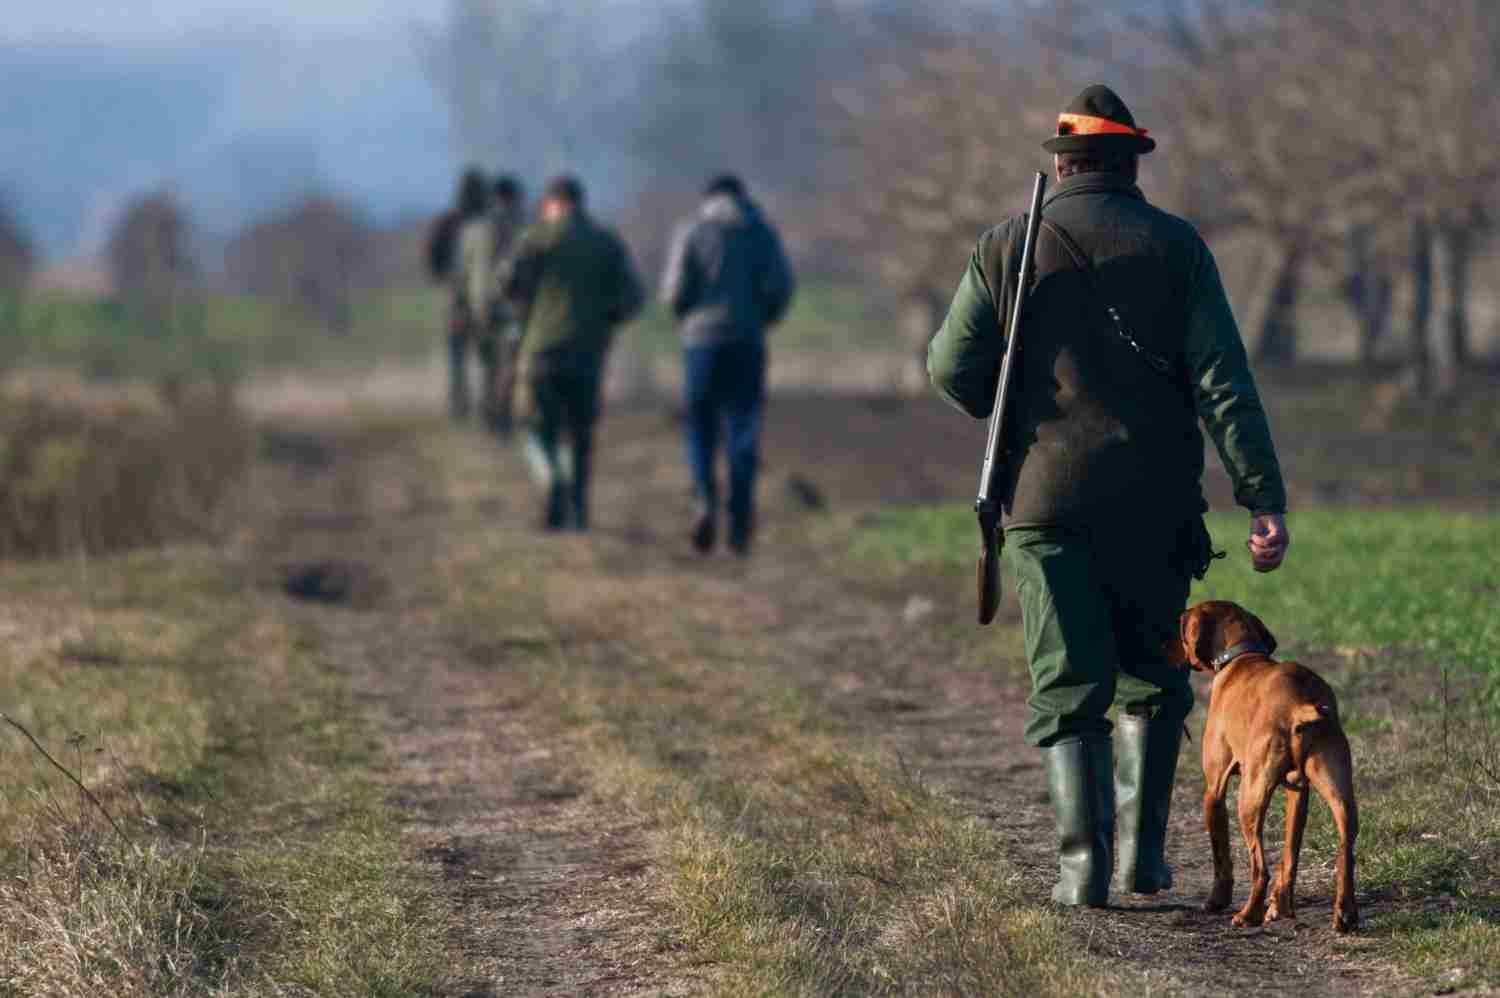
{"type": "Point", "coordinates": [1235, 651]}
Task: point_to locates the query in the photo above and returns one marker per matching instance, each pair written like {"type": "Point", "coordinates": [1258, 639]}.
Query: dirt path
{"type": "Point", "coordinates": [550, 885]}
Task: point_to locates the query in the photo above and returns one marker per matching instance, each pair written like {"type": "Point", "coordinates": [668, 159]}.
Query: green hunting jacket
{"type": "Point", "coordinates": [1094, 433]}
{"type": "Point", "coordinates": [571, 282]}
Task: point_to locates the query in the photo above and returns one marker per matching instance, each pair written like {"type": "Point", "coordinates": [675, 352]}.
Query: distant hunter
{"type": "Point", "coordinates": [727, 282]}
{"type": "Point", "coordinates": [571, 283]}
{"type": "Point", "coordinates": [1127, 342]}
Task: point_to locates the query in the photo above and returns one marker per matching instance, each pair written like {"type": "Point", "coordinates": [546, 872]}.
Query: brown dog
{"type": "Point", "coordinates": [1277, 725]}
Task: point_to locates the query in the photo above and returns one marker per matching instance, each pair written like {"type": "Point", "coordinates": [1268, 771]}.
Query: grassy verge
{"type": "Point", "coordinates": [1396, 607]}
{"type": "Point", "coordinates": [795, 860]}
{"type": "Point", "coordinates": [260, 859]}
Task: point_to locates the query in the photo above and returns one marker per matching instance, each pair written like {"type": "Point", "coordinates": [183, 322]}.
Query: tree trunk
{"type": "Point", "coordinates": [1420, 358]}
{"type": "Point", "coordinates": [1367, 291]}
{"type": "Point", "coordinates": [1460, 256]}
{"type": "Point", "coordinates": [1278, 332]}
{"type": "Point", "coordinates": [921, 316]}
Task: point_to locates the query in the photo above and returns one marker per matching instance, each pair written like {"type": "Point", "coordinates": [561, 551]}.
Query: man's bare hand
{"type": "Point", "coordinates": [1268, 541]}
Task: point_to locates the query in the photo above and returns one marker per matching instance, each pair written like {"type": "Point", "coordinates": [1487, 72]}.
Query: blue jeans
{"type": "Point", "coordinates": [725, 390]}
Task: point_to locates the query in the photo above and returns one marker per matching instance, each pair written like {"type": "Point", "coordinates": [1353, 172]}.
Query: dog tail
{"type": "Point", "coordinates": [1307, 720]}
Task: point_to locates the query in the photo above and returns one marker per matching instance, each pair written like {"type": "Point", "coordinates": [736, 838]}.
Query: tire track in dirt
{"type": "Point", "coordinates": [549, 886]}
{"type": "Point", "coordinates": [545, 887]}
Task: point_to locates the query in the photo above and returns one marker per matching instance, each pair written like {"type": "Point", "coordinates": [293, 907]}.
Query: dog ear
{"type": "Point", "coordinates": [1266, 637]}
{"type": "Point", "coordinates": [1200, 634]}
{"type": "Point", "coordinates": [1196, 631]}
{"type": "Point", "coordinates": [1176, 650]}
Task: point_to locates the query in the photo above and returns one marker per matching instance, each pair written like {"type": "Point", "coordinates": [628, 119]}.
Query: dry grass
{"type": "Point", "coordinates": [262, 859]}
{"type": "Point", "coordinates": [100, 475]}
{"type": "Point", "coordinates": [92, 916]}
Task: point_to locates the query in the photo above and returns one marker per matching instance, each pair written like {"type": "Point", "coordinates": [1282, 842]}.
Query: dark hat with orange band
{"type": "Point", "coordinates": [1098, 121]}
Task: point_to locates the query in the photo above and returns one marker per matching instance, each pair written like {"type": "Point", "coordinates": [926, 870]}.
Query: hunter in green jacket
{"type": "Point", "coordinates": [572, 283]}
{"type": "Point", "coordinates": [1127, 342]}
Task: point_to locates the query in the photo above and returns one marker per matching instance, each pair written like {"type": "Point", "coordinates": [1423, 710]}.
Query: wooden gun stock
{"type": "Point", "coordinates": [991, 543]}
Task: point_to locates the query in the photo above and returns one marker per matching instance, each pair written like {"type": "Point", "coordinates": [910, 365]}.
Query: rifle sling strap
{"type": "Point", "coordinates": [1161, 365]}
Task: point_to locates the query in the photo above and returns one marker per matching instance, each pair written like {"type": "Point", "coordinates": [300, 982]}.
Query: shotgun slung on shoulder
{"type": "Point", "coordinates": [987, 506]}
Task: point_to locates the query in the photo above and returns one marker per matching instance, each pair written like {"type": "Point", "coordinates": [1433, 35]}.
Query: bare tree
{"type": "Point", "coordinates": [928, 163]}
{"type": "Point", "coordinates": [525, 82]}
{"type": "Point", "coordinates": [1369, 284]}
{"type": "Point", "coordinates": [148, 254]}
{"type": "Point", "coordinates": [731, 85]}
{"type": "Point", "coordinates": [313, 256]}
{"type": "Point", "coordinates": [16, 255]}
{"type": "Point", "coordinates": [1355, 150]}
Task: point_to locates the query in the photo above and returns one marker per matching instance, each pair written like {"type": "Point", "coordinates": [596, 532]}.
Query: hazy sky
{"type": "Point", "coordinates": [170, 20]}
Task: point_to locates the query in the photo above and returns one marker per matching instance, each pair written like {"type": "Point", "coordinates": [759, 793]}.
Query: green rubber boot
{"type": "Point", "coordinates": [1079, 781]}
{"type": "Point", "coordinates": [1145, 769]}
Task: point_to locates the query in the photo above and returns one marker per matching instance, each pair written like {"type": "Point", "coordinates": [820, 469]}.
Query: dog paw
{"type": "Point", "coordinates": [1278, 911]}
{"type": "Point", "coordinates": [1249, 918]}
{"type": "Point", "coordinates": [1345, 921]}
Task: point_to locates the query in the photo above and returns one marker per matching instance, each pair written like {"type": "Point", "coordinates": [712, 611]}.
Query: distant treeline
{"type": "Point", "coordinates": [1338, 153]}
{"type": "Point", "coordinates": [1345, 143]}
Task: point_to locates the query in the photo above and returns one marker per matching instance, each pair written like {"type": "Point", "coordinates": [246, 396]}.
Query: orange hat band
{"type": "Point", "coordinates": [1087, 124]}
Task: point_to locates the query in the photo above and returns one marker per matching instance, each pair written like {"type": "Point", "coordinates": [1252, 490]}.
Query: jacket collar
{"type": "Point", "coordinates": [1095, 183]}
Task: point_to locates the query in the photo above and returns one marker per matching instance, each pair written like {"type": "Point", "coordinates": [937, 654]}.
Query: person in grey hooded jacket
{"type": "Point", "coordinates": [727, 281]}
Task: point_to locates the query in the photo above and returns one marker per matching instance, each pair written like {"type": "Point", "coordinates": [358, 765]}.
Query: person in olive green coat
{"type": "Point", "coordinates": [571, 282]}
{"type": "Point", "coordinates": [1127, 341]}
{"type": "Point", "coordinates": [467, 261]}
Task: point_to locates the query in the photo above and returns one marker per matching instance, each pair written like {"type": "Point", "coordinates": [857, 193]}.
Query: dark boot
{"type": "Point", "coordinates": [1145, 768]}
{"type": "Point", "coordinates": [705, 525]}
{"type": "Point", "coordinates": [556, 517]}
{"type": "Point", "coordinates": [741, 528]}
{"type": "Point", "coordinates": [741, 534]}
{"type": "Point", "coordinates": [1079, 779]}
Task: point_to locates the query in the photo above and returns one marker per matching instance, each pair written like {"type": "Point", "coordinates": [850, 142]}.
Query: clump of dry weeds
{"type": "Point", "coordinates": [86, 914]}
{"type": "Point", "coordinates": [79, 474]}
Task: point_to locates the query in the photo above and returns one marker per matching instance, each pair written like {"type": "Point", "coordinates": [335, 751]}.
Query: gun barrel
{"type": "Point", "coordinates": [1012, 334]}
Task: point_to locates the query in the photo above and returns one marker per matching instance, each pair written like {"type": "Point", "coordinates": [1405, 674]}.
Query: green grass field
{"type": "Point", "coordinates": [215, 732]}
{"type": "Point", "coordinates": [1419, 581]}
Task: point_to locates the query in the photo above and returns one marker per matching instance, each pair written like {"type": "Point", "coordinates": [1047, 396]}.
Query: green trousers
{"type": "Point", "coordinates": [1098, 614]}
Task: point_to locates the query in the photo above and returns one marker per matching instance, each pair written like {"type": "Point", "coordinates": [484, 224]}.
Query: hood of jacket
{"type": "Point", "coordinates": [727, 209]}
